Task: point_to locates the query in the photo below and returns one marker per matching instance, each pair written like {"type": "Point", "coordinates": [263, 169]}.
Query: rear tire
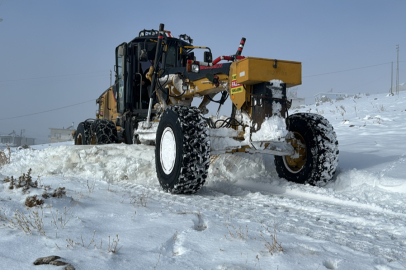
{"type": "Point", "coordinates": [105, 130]}
{"type": "Point", "coordinates": [316, 147]}
{"type": "Point", "coordinates": [82, 134]}
{"type": "Point", "coordinates": [182, 152]}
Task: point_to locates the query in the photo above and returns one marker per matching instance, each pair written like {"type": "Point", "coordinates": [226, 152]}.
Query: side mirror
{"type": "Point", "coordinates": [208, 57]}
{"type": "Point", "coordinates": [143, 56]}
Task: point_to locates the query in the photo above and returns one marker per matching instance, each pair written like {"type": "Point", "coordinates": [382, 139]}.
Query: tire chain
{"type": "Point", "coordinates": [323, 147]}
{"type": "Point", "coordinates": [196, 150]}
{"type": "Point", "coordinates": [105, 131]}
{"type": "Point", "coordinates": [326, 140]}
{"type": "Point", "coordinates": [328, 156]}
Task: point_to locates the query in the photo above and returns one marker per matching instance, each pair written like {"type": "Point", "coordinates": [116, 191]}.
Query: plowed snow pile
{"type": "Point", "coordinates": [112, 213]}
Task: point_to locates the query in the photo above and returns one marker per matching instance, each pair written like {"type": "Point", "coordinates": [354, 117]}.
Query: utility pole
{"type": "Point", "coordinates": [397, 71]}
{"type": "Point", "coordinates": [110, 78]}
{"type": "Point", "coordinates": [391, 81]}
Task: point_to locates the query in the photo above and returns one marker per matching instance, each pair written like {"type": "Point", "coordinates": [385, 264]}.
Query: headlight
{"type": "Point", "coordinates": [195, 68]}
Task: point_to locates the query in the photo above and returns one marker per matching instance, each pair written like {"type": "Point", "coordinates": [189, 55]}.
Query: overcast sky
{"type": "Point", "coordinates": [55, 54]}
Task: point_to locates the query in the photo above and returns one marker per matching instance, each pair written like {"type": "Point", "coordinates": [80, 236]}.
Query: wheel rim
{"type": "Point", "coordinates": [168, 150]}
{"type": "Point", "coordinates": [79, 140]}
{"type": "Point", "coordinates": [297, 162]}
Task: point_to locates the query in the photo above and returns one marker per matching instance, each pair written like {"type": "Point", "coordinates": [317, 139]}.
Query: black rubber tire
{"type": "Point", "coordinates": [82, 134]}
{"type": "Point", "coordinates": [105, 131]}
{"type": "Point", "coordinates": [88, 131]}
{"type": "Point", "coordinates": [321, 150]}
{"type": "Point", "coordinates": [128, 132]}
{"type": "Point", "coordinates": [192, 158]}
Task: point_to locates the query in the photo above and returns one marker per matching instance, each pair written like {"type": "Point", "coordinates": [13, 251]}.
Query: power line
{"type": "Point", "coordinates": [56, 76]}
{"type": "Point", "coordinates": [60, 108]}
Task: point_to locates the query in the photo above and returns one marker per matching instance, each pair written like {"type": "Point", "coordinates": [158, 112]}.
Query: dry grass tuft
{"type": "Point", "coordinates": [270, 241]}
{"type": "Point", "coordinates": [26, 222]}
{"type": "Point", "coordinates": [111, 248]}
{"type": "Point", "coordinates": [141, 200]}
{"type": "Point", "coordinates": [237, 232]}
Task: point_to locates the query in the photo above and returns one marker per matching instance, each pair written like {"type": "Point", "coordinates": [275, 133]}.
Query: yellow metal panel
{"type": "Point", "coordinates": [252, 70]}
{"type": "Point", "coordinates": [108, 106]}
{"type": "Point", "coordinates": [237, 91]}
{"type": "Point", "coordinates": [203, 87]}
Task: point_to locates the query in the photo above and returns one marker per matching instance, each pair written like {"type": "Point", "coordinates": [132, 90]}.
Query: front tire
{"type": "Point", "coordinates": [182, 152]}
{"type": "Point", "coordinates": [128, 131]}
{"type": "Point", "coordinates": [316, 150]}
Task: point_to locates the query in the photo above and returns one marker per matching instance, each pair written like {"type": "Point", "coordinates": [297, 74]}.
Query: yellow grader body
{"type": "Point", "coordinates": [252, 70]}
{"type": "Point", "coordinates": [156, 79]}
{"type": "Point", "coordinates": [107, 106]}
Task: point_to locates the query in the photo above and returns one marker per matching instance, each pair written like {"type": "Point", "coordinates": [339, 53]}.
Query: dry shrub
{"type": "Point", "coordinates": [32, 201]}
{"type": "Point", "coordinates": [24, 182]}
{"type": "Point", "coordinates": [4, 159]}
{"type": "Point", "coordinates": [57, 193]}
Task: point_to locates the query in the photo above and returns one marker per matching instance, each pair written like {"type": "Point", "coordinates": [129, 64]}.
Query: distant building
{"type": "Point", "coordinates": [15, 140]}
{"type": "Point", "coordinates": [61, 134]}
{"type": "Point", "coordinates": [402, 87]}
{"type": "Point", "coordinates": [291, 94]}
{"type": "Point", "coordinates": [297, 102]}
{"type": "Point", "coordinates": [323, 97]}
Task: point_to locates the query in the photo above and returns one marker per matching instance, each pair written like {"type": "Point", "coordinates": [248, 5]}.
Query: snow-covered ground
{"type": "Point", "coordinates": [114, 214]}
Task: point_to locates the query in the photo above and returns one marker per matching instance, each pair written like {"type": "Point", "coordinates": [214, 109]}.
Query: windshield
{"type": "Point", "coordinates": [171, 57]}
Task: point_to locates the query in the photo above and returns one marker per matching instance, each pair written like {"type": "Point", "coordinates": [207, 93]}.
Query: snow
{"type": "Point", "coordinates": [112, 193]}
{"type": "Point", "coordinates": [272, 129]}
{"type": "Point", "coordinates": [222, 138]}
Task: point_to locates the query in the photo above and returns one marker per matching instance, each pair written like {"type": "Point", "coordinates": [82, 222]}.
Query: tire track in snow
{"type": "Point", "coordinates": [367, 231]}
{"type": "Point", "coordinates": [354, 227]}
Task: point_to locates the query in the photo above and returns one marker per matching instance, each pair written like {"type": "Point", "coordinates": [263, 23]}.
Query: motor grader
{"type": "Point", "coordinates": [156, 79]}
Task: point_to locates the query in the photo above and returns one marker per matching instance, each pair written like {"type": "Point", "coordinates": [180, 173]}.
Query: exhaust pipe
{"type": "Point", "coordinates": [155, 74]}
{"type": "Point", "coordinates": [241, 47]}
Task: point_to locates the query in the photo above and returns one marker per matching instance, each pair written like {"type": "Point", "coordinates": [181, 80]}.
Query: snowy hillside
{"type": "Point", "coordinates": [106, 210]}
